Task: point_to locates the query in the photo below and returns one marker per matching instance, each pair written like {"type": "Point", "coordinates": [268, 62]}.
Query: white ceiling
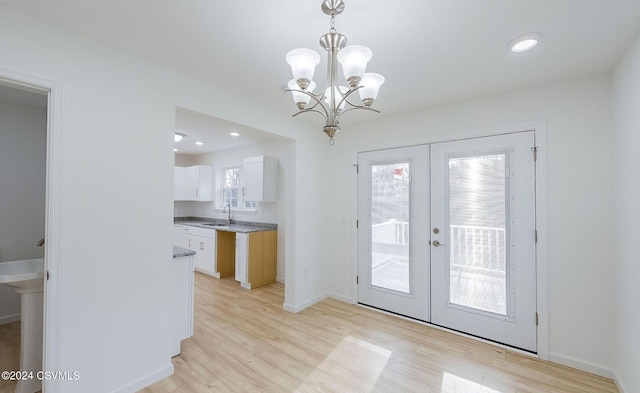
{"type": "Point", "coordinates": [430, 51]}
{"type": "Point", "coordinates": [214, 133]}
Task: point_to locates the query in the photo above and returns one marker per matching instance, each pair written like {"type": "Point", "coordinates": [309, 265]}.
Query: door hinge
{"type": "Point", "coordinates": [47, 275]}
{"type": "Point", "coordinates": [357, 224]}
{"type": "Point", "coordinates": [357, 167]}
{"type": "Point", "coordinates": [535, 153]}
{"type": "Point", "coordinates": [536, 319]}
{"type": "Point", "coordinates": [536, 235]}
{"type": "Point", "coordinates": [357, 279]}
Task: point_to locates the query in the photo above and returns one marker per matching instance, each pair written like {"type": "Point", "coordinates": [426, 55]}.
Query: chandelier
{"type": "Point", "coordinates": [335, 100]}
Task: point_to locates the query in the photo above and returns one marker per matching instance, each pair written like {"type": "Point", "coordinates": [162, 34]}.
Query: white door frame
{"type": "Point", "coordinates": [14, 77]}
{"type": "Point", "coordinates": [542, 281]}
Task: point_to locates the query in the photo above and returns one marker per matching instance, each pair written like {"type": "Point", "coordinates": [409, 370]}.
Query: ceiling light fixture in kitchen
{"type": "Point", "coordinates": [178, 136]}
{"type": "Point", "coordinates": [524, 42]}
{"type": "Point", "coordinates": [199, 143]}
{"type": "Point", "coordinates": [332, 102]}
{"type": "Point", "coordinates": [235, 134]}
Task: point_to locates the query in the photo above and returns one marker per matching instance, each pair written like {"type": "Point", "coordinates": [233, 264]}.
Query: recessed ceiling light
{"type": "Point", "coordinates": [175, 149]}
{"type": "Point", "coordinates": [199, 143]}
{"type": "Point", "coordinates": [524, 42]}
{"type": "Point", "coordinates": [235, 134]}
{"type": "Point", "coordinates": [177, 137]}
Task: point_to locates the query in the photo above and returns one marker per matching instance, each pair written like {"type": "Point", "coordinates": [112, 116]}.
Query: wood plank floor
{"type": "Point", "coordinates": [245, 342]}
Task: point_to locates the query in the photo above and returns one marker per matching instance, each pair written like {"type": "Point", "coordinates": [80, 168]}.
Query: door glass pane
{"type": "Point", "coordinates": [477, 232]}
{"type": "Point", "coordinates": [390, 226]}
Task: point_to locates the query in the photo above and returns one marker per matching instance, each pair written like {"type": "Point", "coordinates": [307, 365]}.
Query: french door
{"type": "Point", "coordinates": [447, 235]}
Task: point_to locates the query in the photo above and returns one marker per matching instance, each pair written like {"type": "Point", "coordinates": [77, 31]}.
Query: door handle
{"type": "Point", "coordinates": [437, 243]}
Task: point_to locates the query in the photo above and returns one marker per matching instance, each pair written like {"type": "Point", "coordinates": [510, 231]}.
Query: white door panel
{"type": "Point", "coordinates": [393, 243]}
{"type": "Point", "coordinates": [483, 269]}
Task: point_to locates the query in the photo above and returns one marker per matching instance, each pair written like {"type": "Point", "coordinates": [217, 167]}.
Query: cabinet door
{"type": "Point", "coordinates": [207, 252]}
{"type": "Point", "coordinates": [241, 257]}
{"type": "Point", "coordinates": [203, 242]}
{"type": "Point", "coordinates": [192, 183]}
{"type": "Point", "coordinates": [253, 179]}
{"type": "Point", "coordinates": [260, 179]}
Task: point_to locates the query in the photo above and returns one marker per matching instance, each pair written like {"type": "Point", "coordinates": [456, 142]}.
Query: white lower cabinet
{"type": "Point", "coordinates": [241, 259]}
{"type": "Point", "coordinates": [203, 242]}
{"type": "Point", "coordinates": [182, 274]}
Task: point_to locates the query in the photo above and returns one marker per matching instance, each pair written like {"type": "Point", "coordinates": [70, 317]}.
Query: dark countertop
{"type": "Point", "coordinates": [223, 225]}
{"type": "Point", "coordinates": [179, 252]}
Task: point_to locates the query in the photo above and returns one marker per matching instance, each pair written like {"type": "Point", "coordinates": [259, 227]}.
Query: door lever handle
{"type": "Point", "coordinates": [437, 243]}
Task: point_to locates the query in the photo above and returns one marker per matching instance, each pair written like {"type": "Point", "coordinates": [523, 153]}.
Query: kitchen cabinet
{"type": "Point", "coordinates": [182, 300]}
{"type": "Point", "coordinates": [255, 257]}
{"type": "Point", "coordinates": [203, 242]}
{"type": "Point", "coordinates": [260, 179]}
{"type": "Point", "coordinates": [193, 183]}
{"type": "Point", "coordinates": [241, 257]}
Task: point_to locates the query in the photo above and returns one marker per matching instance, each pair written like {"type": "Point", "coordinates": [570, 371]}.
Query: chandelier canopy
{"type": "Point", "coordinates": [335, 100]}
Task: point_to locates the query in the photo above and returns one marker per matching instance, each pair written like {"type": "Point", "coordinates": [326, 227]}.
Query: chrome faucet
{"type": "Point", "coordinates": [229, 211]}
{"type": "Point", "coordinates": [40, 242]}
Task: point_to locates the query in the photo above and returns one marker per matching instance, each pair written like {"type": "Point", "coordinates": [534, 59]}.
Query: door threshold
{"type": "Point", "coordinates": [453, 331]}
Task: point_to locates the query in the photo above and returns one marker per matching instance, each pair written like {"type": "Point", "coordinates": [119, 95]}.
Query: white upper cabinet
{"type": "Point", "coordinates": [261, 179]}
{"type": "Point", "coordinates": [193, 183]}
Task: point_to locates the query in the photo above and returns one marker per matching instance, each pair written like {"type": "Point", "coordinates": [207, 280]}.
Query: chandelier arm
{"type": "Point", "coordinates": [309, 110]}
{"type": "Point", "coordinates": [344, 97]}
{"type": "Point", "coordinates": [318, 102]}
{"type": "Point", "coordinates": [358, 107]}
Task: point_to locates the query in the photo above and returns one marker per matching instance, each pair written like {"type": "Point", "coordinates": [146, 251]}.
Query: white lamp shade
{"type": "Point", "coordinates": [303, 63]}
{"type": "Point", "coordinates": [300, 97]}
{"type": "Point", "coordinates": [354, 60]}
{"type": "Point", "coordinates": [370, 83]}
{"type": "Point", "coordinates": [338, 96]}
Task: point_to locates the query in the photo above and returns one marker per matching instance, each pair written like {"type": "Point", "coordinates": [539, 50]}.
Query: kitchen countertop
{"type": "Point", "coordinates": [179, 252]}
{"type": "Point", "coordinates": [223, 225]}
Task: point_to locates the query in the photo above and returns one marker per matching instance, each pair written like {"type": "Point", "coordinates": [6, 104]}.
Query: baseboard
{"type": "Point", "coordinates": [619, 384]}
{"type": "Point", "coordinates": [146, 380]}
{"type": "Point", "coordinates": [342, 298]}
{"type": "Point", "coordinates": [297, 308]}
{"type": "Point", "coordinates": [280, 279]}
{"type": "Point", "coordinates": [9, 319]}
{"type": "Point", "coordinates": [582, 365]}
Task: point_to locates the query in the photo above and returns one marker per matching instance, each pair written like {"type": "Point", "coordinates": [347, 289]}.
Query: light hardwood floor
{"type": "Point", "coordinates": [245, 342]}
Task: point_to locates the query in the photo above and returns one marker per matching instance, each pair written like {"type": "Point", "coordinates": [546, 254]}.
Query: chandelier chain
{"type": "Point", "coordinates": [332, 28]}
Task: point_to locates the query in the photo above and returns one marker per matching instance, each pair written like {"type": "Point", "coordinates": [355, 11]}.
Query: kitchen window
{"type": "Point", "coordinates": [232, 188]}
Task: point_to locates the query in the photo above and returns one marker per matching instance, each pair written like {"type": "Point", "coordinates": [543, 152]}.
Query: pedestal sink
{"type": "Point", "coordinates": [27, 278]}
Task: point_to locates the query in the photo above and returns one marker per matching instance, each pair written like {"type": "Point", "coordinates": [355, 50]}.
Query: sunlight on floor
{"type": "Point", "coordinates": [455, 384]}
{"type": "Point", "coordinates": [360, 364]}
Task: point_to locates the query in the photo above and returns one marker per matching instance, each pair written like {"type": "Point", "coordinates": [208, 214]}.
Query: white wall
{"type": "Point", "coordinates": [626, 141]}
{"type": "Point", "coordinates": [23, 141]}
{"type": "Point", "coordinates": [117, 211]}
{"type": "Point", "coordinates": [580, 229]}
{"type": "Point", "coordinates": [274, 213]}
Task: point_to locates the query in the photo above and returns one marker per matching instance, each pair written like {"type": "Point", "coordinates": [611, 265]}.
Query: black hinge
{"type": "Point", "coordinates": [47, 275]}
{"type": "Point", "coordinates": [535, 153]}
{"type": "Point", "coordinates": [357, 279]}
{"type": "Point", "coordinates": [536, 319]}
{"type": "Point", "coordinates": [536, 231]}
{"type": "Point", "coordinates": [357, 224]}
